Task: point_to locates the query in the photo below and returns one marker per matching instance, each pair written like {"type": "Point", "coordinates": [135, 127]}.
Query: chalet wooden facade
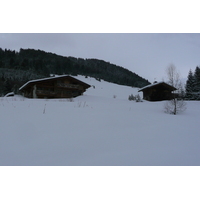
{"type": "Point", "coordinates": [54, 87]}
{"type": "Point", "coordinates": [157, 91]}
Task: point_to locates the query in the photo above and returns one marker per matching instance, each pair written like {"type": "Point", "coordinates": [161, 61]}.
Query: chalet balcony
{"type": "Point", "coordinates": [45, 92]}
{"type": "Point", "coordinates": [70, 86]}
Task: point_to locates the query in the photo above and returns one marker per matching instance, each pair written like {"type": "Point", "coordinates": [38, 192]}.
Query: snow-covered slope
{"type": "Point", "coordinates": [107, 90]}
{"type": "Point", "coordinates": [99, 128]}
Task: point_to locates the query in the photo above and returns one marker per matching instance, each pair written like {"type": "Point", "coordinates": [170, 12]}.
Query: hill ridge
{"type": "Point", "coordinates": [16, 68]}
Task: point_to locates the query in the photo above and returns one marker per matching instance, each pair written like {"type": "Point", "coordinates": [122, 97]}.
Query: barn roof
{"type": "Point", "coordinates": [53, 78]}
{"type": "Point", "coordinates": [169, 87]}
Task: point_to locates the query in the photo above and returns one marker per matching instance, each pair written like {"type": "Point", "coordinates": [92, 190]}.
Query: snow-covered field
{"type": "Point", "coordinates": [102, 127]}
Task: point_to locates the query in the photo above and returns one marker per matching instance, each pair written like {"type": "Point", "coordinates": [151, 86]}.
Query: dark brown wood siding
{"type": "Point", "coordinates": [158, 93]}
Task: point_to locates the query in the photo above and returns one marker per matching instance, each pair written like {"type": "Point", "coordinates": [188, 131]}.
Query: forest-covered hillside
{"type": "Point", "coordinates": [16, 68]}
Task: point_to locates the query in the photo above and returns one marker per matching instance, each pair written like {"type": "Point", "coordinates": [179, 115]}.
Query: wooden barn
{"type": "Point", "coordinates": [54, 87]}
{"type": "Point", "coordinates": [157, 91]}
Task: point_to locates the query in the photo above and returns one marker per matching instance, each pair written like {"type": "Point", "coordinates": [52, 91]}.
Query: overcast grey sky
{"type": "Point", "coordinates": [148, 55]}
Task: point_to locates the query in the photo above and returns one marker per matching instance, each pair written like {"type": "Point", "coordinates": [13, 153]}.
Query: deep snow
{"type": "Point", "coordinates": [99, 128]}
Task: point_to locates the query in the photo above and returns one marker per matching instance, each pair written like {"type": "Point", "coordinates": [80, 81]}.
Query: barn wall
{"type": "Point", "coordinates": [157, 95]}
{"type": "Point", "coordinates": [58, 88]}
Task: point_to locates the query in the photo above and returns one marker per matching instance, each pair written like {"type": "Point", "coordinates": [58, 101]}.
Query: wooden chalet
{"type": "Point", "coordinates": [54, 87]}
{"type": "Point", "coordinates": [158, 91]}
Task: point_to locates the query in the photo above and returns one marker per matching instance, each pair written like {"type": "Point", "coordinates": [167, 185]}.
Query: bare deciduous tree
{"type": "Point", "coordinates": [175, 105]}
{"type": "Point", "coordinates": [173, 76]}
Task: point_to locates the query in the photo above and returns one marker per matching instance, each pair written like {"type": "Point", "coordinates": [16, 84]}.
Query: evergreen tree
{"type": "Point", "coordinates": [7, 87]}
{"type": "Point", "coordinates": [189, 88]}
{"type": "Point", "coordinates": [197, 83]}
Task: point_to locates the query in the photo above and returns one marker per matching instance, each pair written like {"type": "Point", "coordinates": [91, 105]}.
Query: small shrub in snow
{"type": "Point", "coordinates": [136, 98]}
{"type": "Point", "coordinates": [71, 100]}
{"type": "Point", "coordinates": [79, 104]}
{"type": "Point", "coordinates": [131, 97]}
{"type": "Point", "coordinates": [44, 109]}
{"type": "Point", "coordinates": [82, 104]}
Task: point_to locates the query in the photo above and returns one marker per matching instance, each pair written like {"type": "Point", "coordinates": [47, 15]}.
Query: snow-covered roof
{"type": "Point", "coordinates": [157, 83]}
{"type": "Point", "coordinates": [9, 94]}
{"type": "Point", "coordinates": [49, 78]}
